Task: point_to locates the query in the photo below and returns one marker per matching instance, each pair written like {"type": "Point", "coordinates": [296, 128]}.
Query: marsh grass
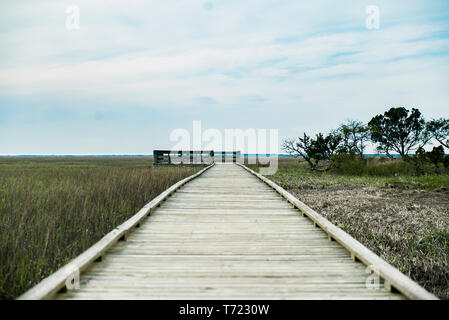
{"type": "Point", "coordinates": [394, 174]}
{"type": "Point", "coordinates": [407, 228]}
{"type": "Point", "coordinates": [401, 217]}
{"type": "Point", "coordinates": [51, 209]}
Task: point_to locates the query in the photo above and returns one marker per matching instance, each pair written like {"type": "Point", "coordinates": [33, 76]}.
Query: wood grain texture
{"type": "Point", "coordinates": [50, 286]}
{"type": "Point", "coordinates": [394, 279]}
{"type": "Point", "coordinates": [227, 235]}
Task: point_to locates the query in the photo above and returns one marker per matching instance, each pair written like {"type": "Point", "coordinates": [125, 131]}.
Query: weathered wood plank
{"type": "Point", "coordinates": [52, 284]}
{"type": "Point", "coordinates": [226, 235]}
{"type": "Point", "coordinates": [391, 275]}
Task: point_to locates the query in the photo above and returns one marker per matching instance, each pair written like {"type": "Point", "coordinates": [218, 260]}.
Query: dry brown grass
{"type": "Point", "coordinates": [407, 226]}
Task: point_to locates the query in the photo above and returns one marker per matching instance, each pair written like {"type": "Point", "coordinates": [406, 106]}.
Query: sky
{"type": "Point", "coordinates": [136, 70]}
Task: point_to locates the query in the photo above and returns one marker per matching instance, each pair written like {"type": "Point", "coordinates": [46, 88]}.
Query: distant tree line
{"type": "Point", "coordinates": [398, 130]}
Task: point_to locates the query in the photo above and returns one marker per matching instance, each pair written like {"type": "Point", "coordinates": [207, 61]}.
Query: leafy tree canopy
{"type": "Point", "coordinates": [314, 150]}
{"type": "Point", "coordinates": [439, 129]}
{"type": "Point", "coordinates": [399, 130]}
{"type": "Point", "coordinates": [355, 135]}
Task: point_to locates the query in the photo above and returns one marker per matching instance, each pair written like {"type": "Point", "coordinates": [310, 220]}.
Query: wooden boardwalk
{"type": "Point", "coordinates": [226, 235]}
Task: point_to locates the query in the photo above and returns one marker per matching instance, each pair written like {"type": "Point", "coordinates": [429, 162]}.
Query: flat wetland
{"type": "Point", "coordinates": [53, 209]}
{"type": "Point", "coordinates": [402, 218]}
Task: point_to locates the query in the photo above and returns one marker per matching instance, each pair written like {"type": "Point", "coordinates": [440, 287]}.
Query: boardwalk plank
{"type": "Point", "coordinates": [226, 235]}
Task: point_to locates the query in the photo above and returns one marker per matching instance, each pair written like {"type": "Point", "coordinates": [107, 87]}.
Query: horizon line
{"type": "Point", "coordinates": [151, 155]}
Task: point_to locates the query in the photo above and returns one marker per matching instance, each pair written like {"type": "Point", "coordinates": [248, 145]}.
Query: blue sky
{"type": "Point", "coordinates": [136, 70]}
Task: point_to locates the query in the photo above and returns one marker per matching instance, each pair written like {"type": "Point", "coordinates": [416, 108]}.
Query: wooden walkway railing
{"type": "Point", "coordinates": [228, 235]}
{"type": "Point", "coordinates": [192, 157]}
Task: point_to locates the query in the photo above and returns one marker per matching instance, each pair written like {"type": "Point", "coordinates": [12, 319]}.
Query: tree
{"type": "Point", "coordinates": [314, 150]}
{"type": "Point", "coordinates": [421, 157]}
{"type": "Point", "coordinates": [439, 130]}
{"type": "Point", "coordinates": [419, 160]}
{"type": "Point", "coordinates": [303, 147]}
{"type": "Point", "coordinates": [399, 130]}
{"type": "Point", "coordinates": [436, 155]}
{"type": "Point", "coordinates": [325, 147]}
{"type": "Point", "coordinates": [355, 135]}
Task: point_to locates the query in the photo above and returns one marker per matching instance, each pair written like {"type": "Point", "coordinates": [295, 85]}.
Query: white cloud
{"type": "Point", "coordinates": [291, 56]}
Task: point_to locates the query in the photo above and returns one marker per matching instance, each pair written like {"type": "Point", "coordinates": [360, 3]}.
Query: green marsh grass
{"type": "Point", "coordinates": [52, 209]}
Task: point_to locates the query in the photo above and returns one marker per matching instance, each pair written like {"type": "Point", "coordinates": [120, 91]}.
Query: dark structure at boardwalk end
{"type": "Point", "coordinates": [172, 157]}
